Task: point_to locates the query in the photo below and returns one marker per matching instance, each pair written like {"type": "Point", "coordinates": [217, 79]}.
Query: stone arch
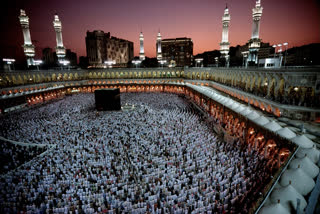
{"type": "Point", "coordinates": [271, 88]}
{"type": "Point", "coordinates": [280, 90]}
{"type": "Point", "coordinates": [53, 77]}
{"type": "Point", "coordinates": [248, 80]}
{"type": "Point", "coordinates": [71, 76]}
{"type": "Point", "coordinates": [19, 80]}
{"type": "Point", "coordinates": [253, 82]}
{"type": "Point", "coordinates": [65, 76]}
{"type": "Point", "coordinates": [198, 75]}
{"type": "Point", "coordinates": [193, 76]}
{"type": "Point", "coordinates": [258, 84]}
{"type": "Point", "coordinates": [243, 81]}
{"type": "Point", "coordinates": [14, 80]}
{"type": "Point", "coordinates": [38, 78]}
{"type": "Point", "coordinates": [264, 85]}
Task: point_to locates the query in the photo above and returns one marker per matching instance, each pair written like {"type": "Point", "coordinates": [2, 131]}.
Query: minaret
{"type": "Point", "coordinates": [60, 49]}
{"type": "Point", "coordinates": [158, 46]}
{"type": "Point", "coordinates": [224, 45]}
{"type": "Point", "coordinates": [254, 42]}
{"type": "Point", "coordinates": [28, 47]}
{"type": "Point", "coordinates": [141, 54]}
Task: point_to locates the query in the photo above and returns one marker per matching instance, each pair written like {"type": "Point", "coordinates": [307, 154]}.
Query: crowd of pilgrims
{"type": "Point", "coordinates": [161, 157]}
{"type": "Point", "coordinates": [14, 155]}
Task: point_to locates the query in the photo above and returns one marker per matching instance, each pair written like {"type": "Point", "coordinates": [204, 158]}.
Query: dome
{"type": "Point", "coordinates": [229, 103]}
{"type": "Point", "coordinates": [240, 109]}
{"type": "Point", "coordinates": [261, 120]}
{"type": "Point", "coordinates": [246, 111]}
{"type": "Point", "coordinates": [306, 165]}
{"type": "Point", "coordinates": [303, 142]}
{"type": "Point", "coordinates": [299, 180]}
{"type": "Point", "coordinates": [286, 133]}
{"type": "Point", "coordinates": [253, 115]}
{"type": "Point", "coordinates": [273, 126]}
{"type": "Point", "coordinates": [288, 198]}
{"type": "Point", "coordinates": [313, 154]}
{"type": "Point", "coordinates": [235, 106]}
{"type": "Point", "coordinates": [273, 209]}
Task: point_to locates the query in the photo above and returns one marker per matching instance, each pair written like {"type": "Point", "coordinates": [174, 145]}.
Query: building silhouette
{"type": "Point", "coordinates": [101, 47]}
{"type": "Point", "coordinates": [178, 51]}
{"type": "Point", "coordinates": [71, 57]}
{"type": "Point", "coordinates": [49, 57]}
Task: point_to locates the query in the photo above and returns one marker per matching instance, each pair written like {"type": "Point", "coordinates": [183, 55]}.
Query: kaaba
{"type": "Point", "coordinates": [107, 99]}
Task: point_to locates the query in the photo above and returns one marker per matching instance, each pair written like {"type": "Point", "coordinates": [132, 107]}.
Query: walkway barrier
{"type": "Point", "coordinates": [276, 181]}
{"type": "Point", "coordinates": [313, 199]}
{"type": "Point", "coordinates": [27, 163]}
{"type": "Point", "coordinates": [23, 144]}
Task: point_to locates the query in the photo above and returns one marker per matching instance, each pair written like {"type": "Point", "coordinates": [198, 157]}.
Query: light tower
{"type": "Point", "coordinates": [28, 47]}
{"type": "Point", "coordinates": [255, 41]}
{"type": "Point", "coordinates": [224, 45]}
{"type": "Point", "coordinates": [60, 49]}
{"type": "Point", "coordinates": [158, 46]}
{"type": "Point", "coordinates": [141, 54]}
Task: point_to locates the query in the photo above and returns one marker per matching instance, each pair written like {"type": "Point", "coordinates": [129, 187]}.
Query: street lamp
{"type": "Point", "coordinates": [136, 62]}
{"type": "Point", "coordinates": [37, 63]}
{"type": "Point", "coordinates": [285, 54]}
{"type": "Point", "coordinates": [280, 54]}
{"type": "Point", "coordinates": [162, 62]}
{"type": "Point", "coordinates": [9, 62]}
{"type": "Point", "coordinates": [275, 48]}
{"type": "Point", "coordinates": [64, 62]}
{"type": "Point", "coordinates": [109, 63]}
{"type": "Point", "coordinates": [245, 55]}
{"type": "Point", "coordinates": [217, 61]}
{"type": "Point", "coordinates": [199, 61]}
{"type": "Point", "coordinates": [280, 46]}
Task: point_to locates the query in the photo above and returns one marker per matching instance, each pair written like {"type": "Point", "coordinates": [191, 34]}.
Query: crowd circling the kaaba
{"type": "Point", "coordinates": [160, 157]}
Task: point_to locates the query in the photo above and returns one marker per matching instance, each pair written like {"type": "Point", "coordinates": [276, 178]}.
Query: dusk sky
{"type": "Point", "coordinates": [294, 21]}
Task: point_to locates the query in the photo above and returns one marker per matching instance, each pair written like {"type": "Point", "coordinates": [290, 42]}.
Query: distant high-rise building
{"type": "Point", "coordinates": [48, 57]}
{"type": "Point", "coordinates": [224, 45]}
{"type": "Point", "coordinates": [158, 47]}
{"type": "Point", "coordinates": [178, 50]}
{"type": "Point", "coordinates": [255, 41]}
{"type": "Point", "coordinates": [83, 62]}
{"type": "Point", "coordinates": [101, 47]}
{"type": "Point", "coordinates": [28, 47]}
{"type": "Point", "coordinates": [60, 49]}
{"type": "Point", "coordinates": [264, 51]}
{"type": "Point", "coordinates": [141, 53]}
{"type": "Point", "coordinates": [71, 57]}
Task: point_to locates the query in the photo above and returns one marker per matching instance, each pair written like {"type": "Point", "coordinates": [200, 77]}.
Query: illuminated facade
{"type": "Point", "coordinates": [178, 51]}
{"type": "Point", "coordinates": [224, 45]}
{"type": "Point", "coordinates": [292, 93]}
{"type": "Point", "coordinates": [255, 41]}
{"type": "Point", "coordinates": [141, 54]}
{"type": "Point", "coordinates": [158, 47]}
{"type": "Point", "coordinates": [102, 47]}
{"type": "Point", "coordinates": [60, 49]}
{"type": "Point", "coordinates": [28, 47]}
